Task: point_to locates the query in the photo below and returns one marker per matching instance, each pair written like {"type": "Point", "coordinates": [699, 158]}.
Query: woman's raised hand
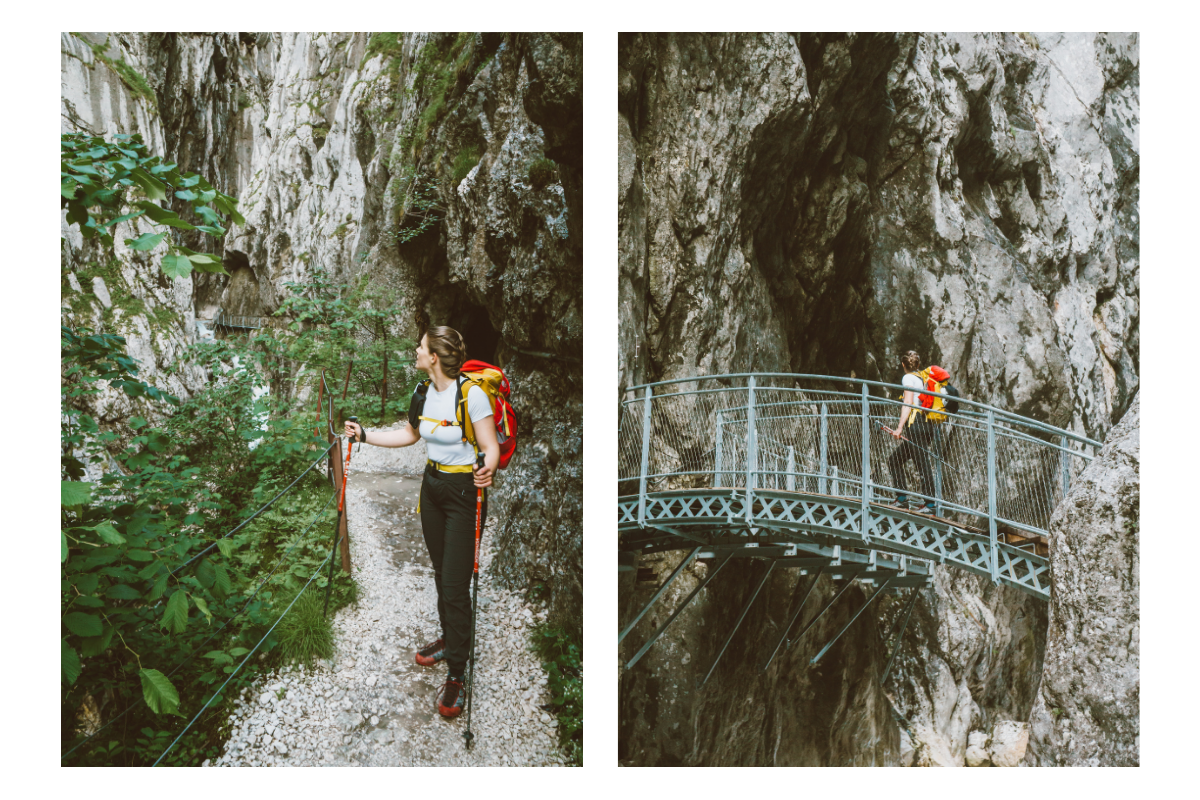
{"type": "Point", "coordinates": [354, 431]}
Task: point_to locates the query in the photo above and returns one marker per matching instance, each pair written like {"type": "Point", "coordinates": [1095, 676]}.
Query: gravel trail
{"type": "Point", "coordinates": [373, 705]}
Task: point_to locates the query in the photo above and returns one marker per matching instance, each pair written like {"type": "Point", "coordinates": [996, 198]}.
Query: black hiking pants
{"type": "Point", "coordinates": [917, 449]}
{"type": "Point", "coordinates": [448, 523]}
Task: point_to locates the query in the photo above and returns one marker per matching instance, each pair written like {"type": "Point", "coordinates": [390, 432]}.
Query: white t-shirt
{"type": "Point", "coordinates": [914, 382]}
{"type": "Point", "coordinates": [443, 443]}
{"type": "Point", "coordinates": [909, 381]}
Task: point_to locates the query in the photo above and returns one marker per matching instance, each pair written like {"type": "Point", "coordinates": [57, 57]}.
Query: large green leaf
{"type": "Point", "coordinates": [95, 645]}
{"type": "Point", "coordinates": [76, 493]}
{"type": "Point", "coordinates": [154, 188]}
{"type": "Point", "coordinates": [70, 663]}
{"type": "Point", "coordinates": [225, 546]}
{"type": "Point", "coordinates": [175, 616]}
{"type": "Point", "coordinates": [122, 591]}
{"type": "Point", "coordinates": [109, 534]}
{"type": "Point", "coordinates": [159, 587]}
{"type": "Point", "coordinates": [203, 606]}
{"type": "Point", "coordinates": [82, 624]}
{"type": "Point", "coordinates": [176, 266]}
{"type": "Point", "coordinates": [206, 574]}
{"type": "Point", "coordinates": [64, 547]}
{"type": "Point", "coordinates": [223, 584]}
{"type": "Point", "coordinates": [160, 694]}
{"type": "Point", "coordinates": [147, 241]}
{"type": "Point", "coordinates": [175, 222]}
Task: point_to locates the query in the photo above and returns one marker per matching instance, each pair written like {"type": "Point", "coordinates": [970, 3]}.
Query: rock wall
{"type": "Point", "coordinates": [327, 140]}
{"type": "Point", "coordinates": [819, 203]}
{"type": "Point", "coordinates": [1087, 710]}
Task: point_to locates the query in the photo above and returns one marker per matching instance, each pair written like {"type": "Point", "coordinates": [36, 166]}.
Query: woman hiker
{"type": "Point", "coordinates": [447, 502]}
{"type": "Point", "coordinates": [917, 431]}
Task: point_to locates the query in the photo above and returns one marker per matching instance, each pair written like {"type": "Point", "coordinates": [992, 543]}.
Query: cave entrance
{"type": "Point", "coordinates": [473, 323]}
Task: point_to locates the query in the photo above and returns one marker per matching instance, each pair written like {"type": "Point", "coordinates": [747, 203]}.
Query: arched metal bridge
{"type": "Point", "coordinates": [793, 469]}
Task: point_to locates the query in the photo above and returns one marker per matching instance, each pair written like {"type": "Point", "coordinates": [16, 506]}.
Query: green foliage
{"type": "Point", "coordinates": [159, 692]}
{"type": "Point", "coordinates": [105, 183]}
{"type": "Point", "coordinates": [335, 326]}
{"type": "Point", "coordinates": [420, 207]}
{"type": "Point", "coordinates": [127, 605]}
{"type": "Point", "coordinates": [464, 162]}
{"type": "Point", "coordinates": [562, 658]}
{"type": "Point", "coordinates": [542, 172]}
{"type": "Point", "coordinates": [128, 75]}
{"type": "Point", "coordinates": [305, 633]}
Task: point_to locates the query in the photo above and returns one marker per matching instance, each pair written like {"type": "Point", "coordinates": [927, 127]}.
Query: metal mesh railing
{"type": "Point", "coordinates": [224, 320]}
{"type": "Point", "coordinates": [811, 433]}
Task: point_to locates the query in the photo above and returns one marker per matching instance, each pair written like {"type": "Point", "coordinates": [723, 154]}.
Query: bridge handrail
{"type": "Point", "coordinates": [1025, 476]}
{"type": "Point", "coordinates": [983, 407]}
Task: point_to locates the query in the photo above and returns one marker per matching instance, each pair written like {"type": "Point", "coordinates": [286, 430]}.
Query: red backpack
{"type": "Point", "coordinates": [494, 384]}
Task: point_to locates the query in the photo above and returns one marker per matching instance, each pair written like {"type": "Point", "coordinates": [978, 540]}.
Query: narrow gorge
{"type": "Point", "coordinates": [819, 204]}
{"type": "Point", "coordinates": [442, 170]}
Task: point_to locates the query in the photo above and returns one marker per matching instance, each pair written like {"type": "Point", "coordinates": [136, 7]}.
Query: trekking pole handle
{"type": "Point", "coordinates": [362, 432]}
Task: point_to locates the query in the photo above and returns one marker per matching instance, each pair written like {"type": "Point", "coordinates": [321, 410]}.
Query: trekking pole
{"type": "Point", "coordinates": [470, 737]}
{"type": "Point", "coordinates": [341, 510]}
{"type": "Point", "coordinates": [922, 449]}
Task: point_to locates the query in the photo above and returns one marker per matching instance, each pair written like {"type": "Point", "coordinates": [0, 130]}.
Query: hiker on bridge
{"type": "Point", "coordinates": [448, 495]}
{"type": "Point", "coordinates": [915, 434]}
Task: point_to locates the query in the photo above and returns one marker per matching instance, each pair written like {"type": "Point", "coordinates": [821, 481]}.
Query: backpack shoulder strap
{"type": "Point", "coordinates": [462, 413]}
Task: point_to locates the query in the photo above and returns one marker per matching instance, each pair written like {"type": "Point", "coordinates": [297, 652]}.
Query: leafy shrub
{"type": "Point", "coordinates": [542, 172]}
{"type": "Point", "coordinates": [562, 658]}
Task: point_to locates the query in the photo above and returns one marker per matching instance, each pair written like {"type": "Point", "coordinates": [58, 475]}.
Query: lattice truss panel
{"type": "Point", "coordinates": [685, 518]}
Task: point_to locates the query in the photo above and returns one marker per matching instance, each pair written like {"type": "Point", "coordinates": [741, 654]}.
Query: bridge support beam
{"type": "Point", "coordinates": [661, 591]}
{"type": "Point", "coordinates": [738, 624]}
{"type": "Point", "coordinates": [821, 613]}
{"type": "Point", "coordinates": [662, 629]}
{"type": "Point", "coordinates": [912, 601]}
{"type": "Point", "coordinates": [846, 627]}
{"type": "Point", "coordinates": [792, 622]}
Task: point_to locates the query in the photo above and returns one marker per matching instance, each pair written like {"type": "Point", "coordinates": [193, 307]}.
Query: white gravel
{"type": "Point", "coordinates": [373, 705]}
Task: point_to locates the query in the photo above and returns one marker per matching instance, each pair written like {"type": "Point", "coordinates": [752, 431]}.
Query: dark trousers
{"type": "Point", "coordinates": [448, 523]}
{"type": "Point", "coordinates": [920, 434]}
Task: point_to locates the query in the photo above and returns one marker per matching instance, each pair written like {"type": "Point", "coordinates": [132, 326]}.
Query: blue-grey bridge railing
{"type": "Point", "coordinates": [992, 470]}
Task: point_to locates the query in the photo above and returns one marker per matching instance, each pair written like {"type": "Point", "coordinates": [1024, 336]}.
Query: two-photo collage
{"type": "Point", "coordinates": [876, 309]}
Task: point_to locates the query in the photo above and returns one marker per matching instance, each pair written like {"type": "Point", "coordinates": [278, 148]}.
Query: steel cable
{"type": "Point", "coordinates": [247, 520]}
{"type": "Point", "coordinates": [217, 694]}
{"type": "Point", "coordinates": [278, 562]}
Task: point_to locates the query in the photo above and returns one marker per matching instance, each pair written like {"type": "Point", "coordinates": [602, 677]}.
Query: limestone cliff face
{"type": "Point", "coordinates": [326, 139]}
{"type": "Point", "coordinates": [819, 203]}
{"type": "Point", "coordinates": [1087, 706]}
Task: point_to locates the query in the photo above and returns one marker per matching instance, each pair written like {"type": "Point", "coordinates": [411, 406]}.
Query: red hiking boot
{"type": "Point", "coordinates": [450, 697]}
{"type": "Point", "coordinates": [432, 653]}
